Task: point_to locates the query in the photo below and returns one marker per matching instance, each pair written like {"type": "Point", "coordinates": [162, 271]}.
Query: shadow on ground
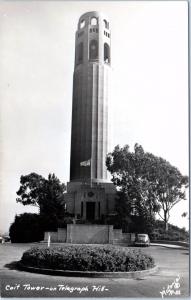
{"type": "Point", "coordinates": [163, 248]}
{"type": "Point", "coordinates": [12, 265]}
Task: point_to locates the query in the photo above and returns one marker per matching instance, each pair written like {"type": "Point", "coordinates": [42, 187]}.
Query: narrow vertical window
{"type": "Point", "coordinates": [93, 49]}
{"type": "Point", "coordinates": [80, 53]}
{"type": "Point", "coordinates": [82, 209]}
{"type": "Point", "coordinates": [106, 53]}
{"type": "Point", "coordinates": [99, 210]}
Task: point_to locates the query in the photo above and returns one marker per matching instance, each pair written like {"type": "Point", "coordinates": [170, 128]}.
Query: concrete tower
{"type": "Point", "coordinates": [90, 196]}
{"type": "Point", "coordinates": [89, 142]}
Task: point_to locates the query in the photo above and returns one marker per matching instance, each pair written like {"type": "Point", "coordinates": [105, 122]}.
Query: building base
{"type": "Point", "coordinates": [90, 202]}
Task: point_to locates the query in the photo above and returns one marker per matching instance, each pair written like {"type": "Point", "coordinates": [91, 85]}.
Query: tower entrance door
{"type": "Point", "coordinates": [90, 211]}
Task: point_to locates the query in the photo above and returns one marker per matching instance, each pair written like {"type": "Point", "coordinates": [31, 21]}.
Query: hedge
{"type": "Point", "coordinates": [88, 258]}
{"type": "Point", "coordinates": [26, 228]}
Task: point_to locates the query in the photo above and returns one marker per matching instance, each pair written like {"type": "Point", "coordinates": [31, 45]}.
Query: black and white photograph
{"type": "Point", "coordinates": [94, 156]}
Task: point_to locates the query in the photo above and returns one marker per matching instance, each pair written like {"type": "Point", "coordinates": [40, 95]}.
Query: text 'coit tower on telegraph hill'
{"type": "Point", "coordinates": [89, 191]}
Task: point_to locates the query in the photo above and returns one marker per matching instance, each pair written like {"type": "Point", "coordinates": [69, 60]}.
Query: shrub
{"type": "Point", "coordinates": [88, 258]}
{"type": "Point", "coordinates": [26, 228]}
{"type": "Point", "coordinates": [29, 227]}
{"type": "Point", "coordinates": [174, 232]}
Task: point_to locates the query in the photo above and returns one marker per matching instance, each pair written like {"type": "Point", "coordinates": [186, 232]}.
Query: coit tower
{"type": "Point", "coordinates": [90, 196]}
{"type": "Point", "coordinates": [89, 139]}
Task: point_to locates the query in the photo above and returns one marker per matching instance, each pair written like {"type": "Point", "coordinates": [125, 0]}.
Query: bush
{"type": "Point", "coordinates": [29, 227]}
{"type": "Point", "coordinates": [88, 258]}
{"type": "Point", "coordinates": [26, 228]}
{"type": "Point", "coordinates": [173, 233]}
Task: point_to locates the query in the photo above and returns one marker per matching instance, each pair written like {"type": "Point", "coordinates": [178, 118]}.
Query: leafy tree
{"type": "Point", "coordinates": [47, 194]}
{"type": "Point", "coordinates": [184, 214]}
{"type": "Point", "coordinates": [146, 184]}
{"type": "Point", "coordinates": [136, 203]}
{"type": "Point", "coordinates": [170, 188]}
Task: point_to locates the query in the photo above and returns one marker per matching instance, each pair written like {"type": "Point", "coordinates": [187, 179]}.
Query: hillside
{"type": "Point", "coordinates": [174, 232]}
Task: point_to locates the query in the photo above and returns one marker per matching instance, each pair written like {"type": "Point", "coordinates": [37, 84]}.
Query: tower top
{"type": "Point", "coordinates": [92, 39]}
{"type": "Point", "coordinates": [93, 18]}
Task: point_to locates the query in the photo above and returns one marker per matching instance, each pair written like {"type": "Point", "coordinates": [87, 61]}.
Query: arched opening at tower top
{"type": "Point", "coordinates": [94, 21]}
{"type": "Point", "coordinates": [106, 24]}
{"type": "Point", "coordinates": [82, 24]}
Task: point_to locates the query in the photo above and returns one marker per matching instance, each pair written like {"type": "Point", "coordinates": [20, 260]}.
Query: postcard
{"type": "Point", "coordinates": [94, 149]}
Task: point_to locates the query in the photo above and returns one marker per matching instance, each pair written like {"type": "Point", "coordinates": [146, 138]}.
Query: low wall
{"type": "Point", "coordinates": [128, 237]}
{"type": "Point", "coordinates": [62, 234]}
{"type": "Point", "coordinates": [53, 236]}
{"type": "Point", "coordinates": [117, 233]}
{"type": "Point", "coordinates": [89, 234]}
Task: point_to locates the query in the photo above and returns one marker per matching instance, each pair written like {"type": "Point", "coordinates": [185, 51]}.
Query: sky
{"type": "Point", "coordinates": [148, 101]}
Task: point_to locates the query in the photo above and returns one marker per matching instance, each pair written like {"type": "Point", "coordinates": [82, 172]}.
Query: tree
{"type": "Point", "coordinates": [170, 188]}
{"type": "Point", "coordinates": [147, 184]}
{"type": "Point", "coordinates": [184, 214]}
{"type": "Point", "coordinates": [136, 200]}
{"type": "Point", "coordinates": [47, 194]}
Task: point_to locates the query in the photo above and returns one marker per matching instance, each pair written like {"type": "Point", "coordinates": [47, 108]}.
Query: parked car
{"type": "Point", "coordinates": [1, 240]}
{"type": "Point", "coordinates": [142, 239]}
{"type": "Point", "coordinates": [6, 238]}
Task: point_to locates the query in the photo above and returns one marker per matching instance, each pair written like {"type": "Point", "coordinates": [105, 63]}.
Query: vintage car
{"type": "Point", "coordinates": [142, 239]}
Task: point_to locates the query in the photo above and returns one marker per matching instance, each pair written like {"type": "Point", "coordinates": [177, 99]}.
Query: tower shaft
{"type": "Point", "coordinates": [89, 140]}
